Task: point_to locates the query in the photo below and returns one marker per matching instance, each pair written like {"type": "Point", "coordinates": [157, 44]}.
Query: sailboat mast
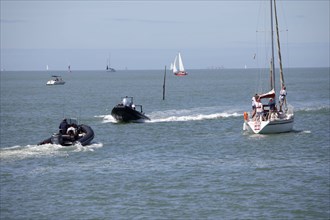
{"type": "Point", "coordinates": [272, 39]}
{"type": "Point", "coordinates": [279, 47]}
{"type": "Point", "coordinates": [109, 59]}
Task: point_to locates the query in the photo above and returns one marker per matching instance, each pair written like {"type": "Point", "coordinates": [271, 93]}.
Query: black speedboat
{"type": "Point", "coordinates": [126, 111]}
{"type": "Point", "coordinates": [71, 133]}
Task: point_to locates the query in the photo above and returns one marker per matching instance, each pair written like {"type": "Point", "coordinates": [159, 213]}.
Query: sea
{"type": "Point", "coordinates": [191, 161]}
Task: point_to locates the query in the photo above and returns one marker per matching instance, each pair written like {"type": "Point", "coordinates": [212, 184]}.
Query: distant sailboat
{"type": "Point", "coordinates": [178, 68]}
{"type": "Point", "coordinates": [109, 69]}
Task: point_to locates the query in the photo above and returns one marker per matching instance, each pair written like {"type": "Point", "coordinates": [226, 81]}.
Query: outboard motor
{"type": "Point", "coordinates": [56, 139]}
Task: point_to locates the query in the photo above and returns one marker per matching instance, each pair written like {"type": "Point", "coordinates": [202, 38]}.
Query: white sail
{"type": "Point", "coordinates": [171, 66]}
{"type": "Point", "coordinates": [181, 67]}
{"type": "Point", "coordinates": [175, 70]}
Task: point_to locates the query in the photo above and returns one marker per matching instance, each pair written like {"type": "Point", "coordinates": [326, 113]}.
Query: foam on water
{"type": "Point", "coordinates": [174, 115]}
{"type": "Point", "coordinates": [31, 151]}
{"type": "Point", "coordinates": [194, 117]}
{"type": "Point", "coordinates": [106, 118]}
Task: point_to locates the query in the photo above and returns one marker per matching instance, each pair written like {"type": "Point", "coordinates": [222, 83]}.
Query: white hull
{"type": "Point", "coordinates": [53, 82]}
{"type": "Point", "coordinates": [270, 126]}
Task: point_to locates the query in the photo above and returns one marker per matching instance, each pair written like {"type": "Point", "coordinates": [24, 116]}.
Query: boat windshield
{"type": "Point", "coordinates": [128, 101]}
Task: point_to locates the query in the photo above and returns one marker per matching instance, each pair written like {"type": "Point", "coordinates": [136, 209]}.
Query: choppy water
{"type": "Point", "coordinates": [192, 161]}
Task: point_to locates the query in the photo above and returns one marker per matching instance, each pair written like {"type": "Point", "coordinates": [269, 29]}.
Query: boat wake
{"type": "Point", "coordinates": [321, 108]}
{"type": "Point", "coordinates": [33, 151]}
{"type": "Point", "coordinates": [107, 119]}
{"type": "Point", "coordinates": [191, 117]}
{"type": "Point", "coordinates": [196, 114]}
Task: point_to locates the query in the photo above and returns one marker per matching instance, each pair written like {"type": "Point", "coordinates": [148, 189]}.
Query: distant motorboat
{"type": "Point", "coordinates": [71, 133]}
{"type": "Point", "coordinates": [177, 67]}
{"type": "Point", "coordinates": [127, 111]}
{"type": "Point", "coordinates": [55, 80]}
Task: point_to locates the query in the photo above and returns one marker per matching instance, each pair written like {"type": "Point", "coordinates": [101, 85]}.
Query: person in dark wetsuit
{"type": "Point", "coordinates": [63, 126]}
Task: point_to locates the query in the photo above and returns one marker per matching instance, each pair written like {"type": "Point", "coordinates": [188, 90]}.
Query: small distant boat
{"type": "Point", "coordinates": [177, 67]}
{"type": "Point", "coordinates": [55, 80]}
{"type": "Point", "coordinates": [71, 133]}
{"type": "Point", "coordinates": [109, 68]}
{"type": "Point", "coordinates": [127, 111]}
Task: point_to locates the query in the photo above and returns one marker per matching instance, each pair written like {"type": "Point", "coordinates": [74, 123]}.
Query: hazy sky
{"type": "Point", "coordinates": [148, 34]}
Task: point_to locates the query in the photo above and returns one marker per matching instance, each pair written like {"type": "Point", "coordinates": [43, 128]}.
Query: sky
{"type": "Point", "coordinates": [148, 34]}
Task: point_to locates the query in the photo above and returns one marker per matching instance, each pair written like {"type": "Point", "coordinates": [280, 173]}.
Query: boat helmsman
{"type": "Point", "coordinates": [63, 126]}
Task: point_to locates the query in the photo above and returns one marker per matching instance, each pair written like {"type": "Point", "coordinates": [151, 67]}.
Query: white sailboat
{"type": "Point", "coordinates": [109, 68]}
{"type": "Point", "coordinates": [178, 68]}
{"type": "Point", "coordinates": [268, 118]}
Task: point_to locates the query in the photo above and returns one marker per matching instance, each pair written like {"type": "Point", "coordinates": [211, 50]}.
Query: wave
{"type": "Point", "coordinates": [32, 151]}
{"type": "Point", "coordinates": [194, 117]}
{"type": "Point", "coordinates": [314, 108]}
{"type": "Point", "coordinates": [199, 114]}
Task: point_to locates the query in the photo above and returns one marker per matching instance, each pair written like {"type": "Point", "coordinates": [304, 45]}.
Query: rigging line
{"type": "Point", "coordinates": [259, 12]}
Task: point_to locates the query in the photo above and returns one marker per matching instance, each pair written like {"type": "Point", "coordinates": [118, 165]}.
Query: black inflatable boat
{"type": "Point", "coordinates": [71, 133]}
{"type": "Point", "coordinates": [127, 111]}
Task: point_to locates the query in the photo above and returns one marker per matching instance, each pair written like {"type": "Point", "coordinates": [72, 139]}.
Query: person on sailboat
{"type": "Point", "coordinates": [271, 104]}
{"type": "Point", "coordinates": [254, 99]}
{"type": "Point", "coordinates": [272, 108]}
{"type": "Point", "coordinates": [282, 97]}
{"type": "Point", "coordinates": [260, 110]}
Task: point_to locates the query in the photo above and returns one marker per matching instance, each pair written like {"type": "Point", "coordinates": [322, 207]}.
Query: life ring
{"type": "Point", "coordinates": [246, 116]}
